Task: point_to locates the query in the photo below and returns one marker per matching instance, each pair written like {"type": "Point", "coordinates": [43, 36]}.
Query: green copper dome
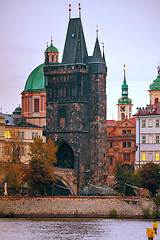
{"type": "Point", "coordinates": [156, 84]}
{"type": "Point", "coordinates": [36, 80]}
{"type": "Point", "coordinates": [51, 49]}
{"type": "Point", "coordinates": [124, 100]}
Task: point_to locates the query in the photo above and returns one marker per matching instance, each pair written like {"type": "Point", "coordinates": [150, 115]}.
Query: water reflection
{"type": "Point", "coordinates": [73, 229]}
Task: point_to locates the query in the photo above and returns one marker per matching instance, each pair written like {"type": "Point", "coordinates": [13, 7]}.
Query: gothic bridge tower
{"type": "Point", "coordinates": [76, 109]}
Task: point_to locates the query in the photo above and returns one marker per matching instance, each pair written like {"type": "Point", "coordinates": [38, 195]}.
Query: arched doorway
{"type": "Point", "coordinates": [65, 156]}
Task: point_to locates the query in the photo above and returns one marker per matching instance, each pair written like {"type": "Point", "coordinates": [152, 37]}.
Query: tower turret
{"type": "Point", "coordinates": [154, 89]}
{"type": "Point", "coordinates": [124, 103]}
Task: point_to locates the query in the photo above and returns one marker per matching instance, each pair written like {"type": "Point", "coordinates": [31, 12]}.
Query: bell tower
{"type": "Point", "coordinates": [124, 103]}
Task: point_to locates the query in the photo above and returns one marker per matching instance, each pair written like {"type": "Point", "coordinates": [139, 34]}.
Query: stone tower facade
{"type": "Point", "coordinates": [76, 108]}
{"type": "Point", "coordinates": [124, 103]}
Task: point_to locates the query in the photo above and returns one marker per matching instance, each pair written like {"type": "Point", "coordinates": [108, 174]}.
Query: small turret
{"type": "Point", "coordinates": [51, 54]}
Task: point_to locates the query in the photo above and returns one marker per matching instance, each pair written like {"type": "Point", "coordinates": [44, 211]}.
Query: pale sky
{"type": "Point", "coordinates": [129, 30]}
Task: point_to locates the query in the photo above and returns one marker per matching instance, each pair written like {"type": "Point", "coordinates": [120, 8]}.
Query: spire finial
{"type": "Point", "coordinates": [69, 11]}
{"type": "Point", "coordinates": [97, 31]}
{"type": "Point", "coordinates": [124, 66]}
{"type": "Point", "coordinates": [47, 44]}
{"type": "Point", "coordinates": [79, 10]}
{"type": "Point", "coordinates": [51, 41]}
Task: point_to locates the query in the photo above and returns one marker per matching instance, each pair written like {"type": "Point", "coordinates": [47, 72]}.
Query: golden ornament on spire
{"type": "Point", "coordinates": [69, 11]}
{"type": "Point", "coordinates": [124, 67]}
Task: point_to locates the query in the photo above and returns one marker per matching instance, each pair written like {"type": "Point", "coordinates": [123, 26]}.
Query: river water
{"type": "Point", "coordinates": [73, 229]}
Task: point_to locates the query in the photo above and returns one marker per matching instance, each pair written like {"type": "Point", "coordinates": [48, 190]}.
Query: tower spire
{"type": "Point", "coordinates": [79, 10]}
{"type": "Point", "coordinates": [51, 41]}
{"type": "Point", "coordinates": [97, 31]}
{"type": "Point", "coordinates": [69, 11]}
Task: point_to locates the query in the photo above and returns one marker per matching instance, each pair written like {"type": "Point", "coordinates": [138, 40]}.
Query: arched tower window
{"type": "Point", "coordinates": [65, 156]}
{"type": "Point", "coordinates": [122, 116]}
{"type": "Point", "coordinates": [156, 100]}
{"type": "Point", "coordinates": [36, 105]}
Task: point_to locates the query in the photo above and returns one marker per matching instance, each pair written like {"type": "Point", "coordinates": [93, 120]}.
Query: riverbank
{"type": "Point", "coordinates": [89, 207]}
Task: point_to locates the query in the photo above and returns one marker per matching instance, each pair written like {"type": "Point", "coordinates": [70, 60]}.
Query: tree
{"type": "Point", "coordinates": [11, 166]}
{"type": "Point", "coordinates": [149, 175]}
{"type": "Point", "coordinates": [40, 173]}
{"type": "Point", "coordinates": [125, 176]}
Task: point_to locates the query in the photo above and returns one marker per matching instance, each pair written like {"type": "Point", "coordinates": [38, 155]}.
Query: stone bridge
{"type": "Point", "coordinates": [66, 179]}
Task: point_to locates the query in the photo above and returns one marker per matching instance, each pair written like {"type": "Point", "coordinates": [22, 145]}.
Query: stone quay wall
{"type": "Point", "coordinates": [75, 207]}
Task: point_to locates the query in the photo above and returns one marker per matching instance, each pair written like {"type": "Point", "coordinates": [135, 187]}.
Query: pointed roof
{"type": "Point", "coordinates": [124, 99]}
{"type": "Point", "coordinates": [97, 52]}
{"type": "Point", "coordinates": [75, 50]}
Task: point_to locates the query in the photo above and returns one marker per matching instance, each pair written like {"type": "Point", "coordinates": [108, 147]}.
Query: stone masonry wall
{"type": "Point", "coordinates": [74, 206]}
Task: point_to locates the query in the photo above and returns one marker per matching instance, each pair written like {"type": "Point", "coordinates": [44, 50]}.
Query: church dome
{"type": "Point", "coordinates": [124, 100]}
{"type": "Point", "coordinates": [51, 49]}
{"type": "Point", "coordinates": [36, 80]}
{"type": "Point", "coordinates": [156, 84]}
{"type": "Point", "coordinates": [17, 110]}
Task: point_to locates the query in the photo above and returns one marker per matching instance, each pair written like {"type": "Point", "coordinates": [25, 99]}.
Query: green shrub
{"type": "Point", "coordinates": [155, 213]}
{"type": "Point", "coordinates": [11, 214]}
{"type": "Point", "coordinates": [113, 212]}
{"type": "Point", "coordinates": [146, 212]}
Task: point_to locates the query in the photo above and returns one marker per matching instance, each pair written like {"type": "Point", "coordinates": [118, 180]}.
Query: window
{"type": "Point", "coordinates": [122, 116]}
{"type": "Point", "coordinates": [128, 131]}
{"type": "Point", "coordinates": [7, 134]}
{"type": "Point", "coordinates": [157, 156]}
{"type": "Point", "coordinates": [111, 144]}
{"type": "Point", "coordinates": [143, 139]}
{"type": "Point", "coordinates": [143, 123]}
{"type": "Point", "coordinates": [22, 150]}
{"type": "Point", "coordinates": [124, 131]}
{"type": "Point", "coordinates": [129, 144]}
{"type": "Point", "coordinates": [62, 117]}
{"type": "Point", "coordinates": [34, 135]}
{"type": "Point", "coordinates": [124, 144]}
{"type": "Point", "coordinates": [157, 139]}
{"type": "Point", "coordinates": [52, 58]}
{"type": "Point", "coordinates": [111, 161]}
{"type": "Point", "coordinates": [21, 135]}
{"type": "Point", "coordinates": [157, 123]}
{"type": "Point", "coordinates": [126, 157]}
{"type": "Point", "coordinates": [43, 103]}
{"type": "Point", "coordinates": [150, 123]}
{"type": "Point", "coordinates": [150, 157]}
{"type": "Point", "coordinates": [36, 105]}
{"type": "Point", "coordinates": [143, 157]}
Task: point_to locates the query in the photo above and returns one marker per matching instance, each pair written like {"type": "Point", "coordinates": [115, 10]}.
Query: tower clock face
{"type": "Point", "coordinates": [124, 92]}
{"type": "Point", "coordinates": [122, 108]}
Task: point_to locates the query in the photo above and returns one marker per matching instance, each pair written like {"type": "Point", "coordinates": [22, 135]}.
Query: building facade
{"type": "Point", "coordinates": [21, 133]}
{"type": "Point", "coordinates": [76, 108]}
{"type": "Point", "coordinates": [148, 135]}
{"type": "Point", "coordinates": [121, 146]}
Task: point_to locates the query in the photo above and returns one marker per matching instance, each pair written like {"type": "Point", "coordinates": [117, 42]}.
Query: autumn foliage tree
{"type": "Point", "coordinates": [11, 166]}
{"type": "Point", "coordinates": [149, 176]}
{"type": "Point", "coordinates": [40, 172]}
{"type": "Point", "coordinates": [125, 176]}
